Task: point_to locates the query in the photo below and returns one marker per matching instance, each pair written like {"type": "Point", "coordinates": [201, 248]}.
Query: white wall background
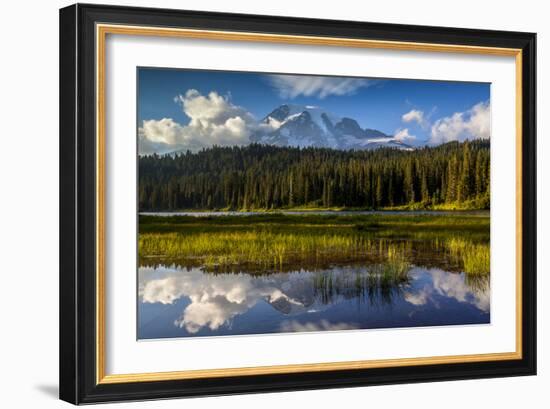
{"type": "Point", "coordinates": [29, 201]}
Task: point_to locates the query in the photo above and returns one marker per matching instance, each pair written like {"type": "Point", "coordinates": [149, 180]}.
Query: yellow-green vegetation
{"type": "Point", "coordinates": [481, 202]}
{"type": "Point", "coordinates": [392, 243]}
{"type": "Point", "coordinates": [396, 264]}
{"type": "Point", "coordinates": [475, 257]}
{"type": "Point", "coordinates": [398, 222]}
{"type": "Point", "coordinates": [260, 247]}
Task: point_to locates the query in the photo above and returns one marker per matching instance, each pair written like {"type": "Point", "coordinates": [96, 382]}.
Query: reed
{"type": "Point", "coordinates": [264, 248]}
{"type": "Point", "coordinates": [397, 265]}
{"type": "Point", "coordinates": [475, 257]}
{"type": "Point", "coordinates": [277, 242]}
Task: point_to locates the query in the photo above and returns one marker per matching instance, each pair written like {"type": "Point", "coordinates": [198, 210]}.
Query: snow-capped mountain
{"type": "Point", "coordinates": [304, 126]}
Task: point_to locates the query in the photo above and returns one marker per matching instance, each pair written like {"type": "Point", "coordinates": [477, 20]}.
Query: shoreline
{"type": "Point", "coordinates": [295, 212]}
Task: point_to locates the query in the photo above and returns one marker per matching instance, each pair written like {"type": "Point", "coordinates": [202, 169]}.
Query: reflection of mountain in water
{"type": "Point", "coordinates": [214, 300]}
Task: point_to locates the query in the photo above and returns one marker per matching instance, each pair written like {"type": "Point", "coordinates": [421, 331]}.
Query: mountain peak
{"type": "Point", "coordinates": [348, 126]}
{"type": "Point", "coordinates": [309, 125]}
{"type": "Point", "coordinates": [278, 114]}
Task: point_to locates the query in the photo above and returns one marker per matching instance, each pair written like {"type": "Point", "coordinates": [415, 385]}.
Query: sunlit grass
{"type": "Point", "coordinates": [400, 221]}
{"type": "Point", "coordinates": [475, 257]}
{"type": "Point", "coordinates": [262, 247]}
{"type": "Point", "coordinates": [277, 242]}
{"type": "Point", "coordinates": [396, 265]}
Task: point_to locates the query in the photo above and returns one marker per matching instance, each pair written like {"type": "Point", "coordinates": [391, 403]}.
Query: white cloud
{"type": "Point", "coordinates": [403, 135]}
{"type": "Point", "coordinates": [147, 146]}
{"type": "Point", "coordinates": [474, 123]}
{"type": "Point", "coordinates": [213, 108]}
{"type": "Point", "coordinates": [292, 86]}
{"type": "Point", "coordinates": [214, 120]}
{"type": "Point", "coordinates": [415, 115]}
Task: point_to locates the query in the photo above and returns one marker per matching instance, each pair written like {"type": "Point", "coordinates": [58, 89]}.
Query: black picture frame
{"type": "Point", "coordinates": [78, 313]}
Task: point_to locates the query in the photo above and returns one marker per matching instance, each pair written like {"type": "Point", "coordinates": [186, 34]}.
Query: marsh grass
{"type": "Point", "coordinates": [396, 266]}
{"type": "Point", "coordinates": [478, 222]}
{"type": "Point", "coordinates": [475, 257]}
{"type": "Point", "coordinates": [275, 242]}
{"type": "Point", "coordinates": [263, 247]}
{"type": "Point", "coordinates": [378, 284]}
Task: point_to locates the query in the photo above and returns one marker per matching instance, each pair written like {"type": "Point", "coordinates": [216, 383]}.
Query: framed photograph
{"type": "Point", "coordinates": [257, 203]}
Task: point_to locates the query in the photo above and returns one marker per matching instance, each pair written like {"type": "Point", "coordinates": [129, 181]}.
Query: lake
{"type": "Point", "coordinates": [236, 275]}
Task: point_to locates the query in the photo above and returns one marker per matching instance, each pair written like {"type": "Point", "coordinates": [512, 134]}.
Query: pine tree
{"type": "Point", "coordinates": [290, 191]}
{"type": "Point", "coordinates": [479, 175]}
{"type": "Point", "coordinates": [465, 183]}
{"type": "Point", "coordinates": [452, 180]}
{"type": "Point", "coordinates": [391, 189]}
{"type": "Point", "coordinates": [425, 193]}
{"type": "Point", "coordinates": [409, 182]}
{"type": "Point", "coordinates": [269, 177]}
{"type": "Point", "coordinates": [379, 191]}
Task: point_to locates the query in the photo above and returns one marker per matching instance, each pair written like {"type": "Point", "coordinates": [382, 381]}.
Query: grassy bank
{"type": "Point", "coordinates": [275, 241]}
{"type": "Point", "coordinates": [403, 222]}
{"type": "Point", "coordinates": [266, 249]}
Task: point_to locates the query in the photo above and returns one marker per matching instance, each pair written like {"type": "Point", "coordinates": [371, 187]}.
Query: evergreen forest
{"type": "Point", "coordinates": [261, 177]}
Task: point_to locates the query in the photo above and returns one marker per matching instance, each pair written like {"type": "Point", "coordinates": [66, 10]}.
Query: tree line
{"type": "Point", "coordinates": [267, 177]}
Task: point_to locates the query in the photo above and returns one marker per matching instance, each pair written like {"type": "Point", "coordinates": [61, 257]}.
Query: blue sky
{"type": "Point", "coordinates": [381, 104]}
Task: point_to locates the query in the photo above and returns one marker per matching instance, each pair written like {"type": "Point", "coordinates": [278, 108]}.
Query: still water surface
{"type": "Point", "coordinates": [178, 301]}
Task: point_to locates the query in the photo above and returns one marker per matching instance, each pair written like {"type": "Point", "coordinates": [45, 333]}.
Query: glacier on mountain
{"type": "Point", "coordinates": [311, 126]}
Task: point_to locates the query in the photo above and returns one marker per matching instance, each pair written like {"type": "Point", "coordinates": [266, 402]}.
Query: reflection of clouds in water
{"type": "Point", "coordinates": [447, 285]}
{"type": "Point", "coordinates": [421, 297]}
{"type": "Point", "coordinates": [215, 299]}
{"type": "Point", "coordinates": [323, 325]}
